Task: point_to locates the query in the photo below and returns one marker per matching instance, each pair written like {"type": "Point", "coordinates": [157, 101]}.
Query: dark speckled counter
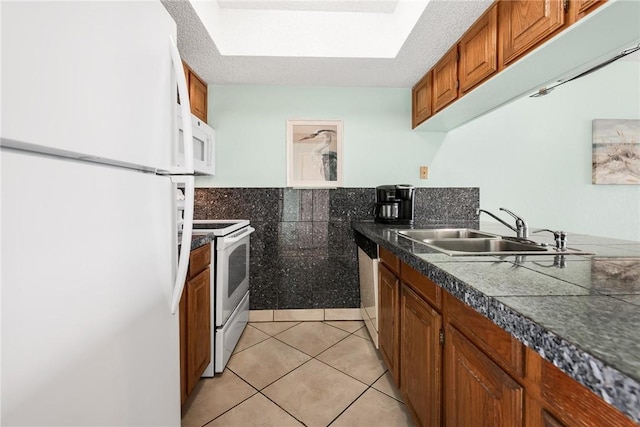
{"type": "Point", "coordinates": [581, 313]}
{"type": "Point", "coordinates": [197, 241]}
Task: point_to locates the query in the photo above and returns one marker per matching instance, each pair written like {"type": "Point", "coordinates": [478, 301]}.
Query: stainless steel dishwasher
{"type": "Point", "coordinates": [368, 275]}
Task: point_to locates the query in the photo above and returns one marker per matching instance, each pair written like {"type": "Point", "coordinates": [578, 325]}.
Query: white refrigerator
{"type": "Point", "coordinates": [90, 272]}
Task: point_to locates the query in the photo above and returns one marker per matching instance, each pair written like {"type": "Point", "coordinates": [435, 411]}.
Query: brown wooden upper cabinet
{"type": "Point", "coordinates": [197, 93]}
{"type": "Point", "coordinates": [582, 8]}
{"type": "Point", "coordinates": [421, 100]}
{"type": "Point", "coordinates": [526, 23]}
{"type": "Point", "coordinates": [445, 80]}
{"type": "Point", "coordinates": [479, 51]}
{"type": "Point", "coordinates": [508, 30]}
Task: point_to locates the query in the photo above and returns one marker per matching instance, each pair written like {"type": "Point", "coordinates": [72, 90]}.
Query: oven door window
{"type": "Point", "coordinates": [237, 268]}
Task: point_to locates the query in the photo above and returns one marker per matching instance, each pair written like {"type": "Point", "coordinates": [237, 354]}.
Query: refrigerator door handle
{"type": "Point", "coordinates": [187, 229]}
{"type": "Point", "coordinates": [185, 106]}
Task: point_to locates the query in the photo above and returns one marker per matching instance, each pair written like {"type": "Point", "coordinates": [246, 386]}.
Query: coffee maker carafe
{"type": "Point", "coordinates": [395, 204]}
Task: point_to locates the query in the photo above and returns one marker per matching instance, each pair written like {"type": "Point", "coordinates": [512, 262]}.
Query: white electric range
{"type": "Point", "coordinates": [230, 286]}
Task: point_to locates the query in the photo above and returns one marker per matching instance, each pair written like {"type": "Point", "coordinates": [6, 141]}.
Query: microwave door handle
{"type": "Point", "coordinates": [185, 107]}
{"type": "Point", "coordinates": [187, 230]}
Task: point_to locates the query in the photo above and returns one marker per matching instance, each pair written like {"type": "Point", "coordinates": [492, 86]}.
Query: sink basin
{"type": "Point", "coordinates": [446, 233]}
{"type": "Point", "coordinates": [494, 246]}
{"type": "Point", "coordinates": [466, 241]}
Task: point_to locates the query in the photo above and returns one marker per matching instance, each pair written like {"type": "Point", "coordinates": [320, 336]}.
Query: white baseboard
{"type": "Point", "coordinates": [304, 315]}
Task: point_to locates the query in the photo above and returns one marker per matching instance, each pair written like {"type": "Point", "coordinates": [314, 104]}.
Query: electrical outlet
{"type": "Point", "coordinates": [424, 172]}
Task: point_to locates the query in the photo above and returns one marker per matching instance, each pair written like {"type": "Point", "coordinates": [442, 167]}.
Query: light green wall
{"type": "Point", "coordinates": [532, 156]}
{"type": "Point", "coordinates": [250, 122]}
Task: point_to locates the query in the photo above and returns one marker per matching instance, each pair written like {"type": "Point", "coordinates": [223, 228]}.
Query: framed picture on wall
{"type": "Point", "coordinates": [616, 151]}
{"type": "Point", "coordinates": [314, 153]}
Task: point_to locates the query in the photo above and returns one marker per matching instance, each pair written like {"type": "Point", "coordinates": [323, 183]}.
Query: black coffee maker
{"type": "Point", "coordinates": [395, 204]}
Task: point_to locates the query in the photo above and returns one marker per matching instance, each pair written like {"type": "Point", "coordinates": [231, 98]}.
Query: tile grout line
{"type": "Point", "coordinates": [268, 336]}
{"type": "Point", "coordinates": [240, 402]}
{"type": "Point", "coordinates": [260, 391]}
{"type": "Point", "coordinates": [349, 405]}
{"type": "Point", "coordinates": [362, 394]}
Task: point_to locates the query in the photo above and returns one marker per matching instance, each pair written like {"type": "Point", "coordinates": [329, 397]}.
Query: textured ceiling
{"type": "Point", "coordinates": [439, 27]}
{"type": "Point", "coordinates": [367, 6]}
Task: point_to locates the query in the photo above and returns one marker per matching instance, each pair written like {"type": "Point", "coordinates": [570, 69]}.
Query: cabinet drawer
{"type": "Point", "coordinates": [499, 345]}
{"type": "Point", "coordinates": [199, 259]}
{"type": "Point", "coordinates": [420, 284]}
{"type": "Point", "coordinates": [390, 260]}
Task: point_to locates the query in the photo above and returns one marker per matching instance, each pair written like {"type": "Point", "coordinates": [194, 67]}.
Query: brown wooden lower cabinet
{"type": "Point", "coordinates": [198, 326]}
{"type": "Point", "coordinates": [195, 321]}
{"type": "Point", "coordinates": [420, 358]}
{"type": "Point", "coordinates": [389, 320]}
{"type": "Point", "coordinates": [481, 376]}
{"type": "Point", "coordinates": [555, 399]}
{"type": "Point", "coordinates": [477, 392]}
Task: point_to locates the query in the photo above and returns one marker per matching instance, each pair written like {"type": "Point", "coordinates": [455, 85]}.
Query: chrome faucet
{"type": "Point", "coordinates": [559, 236]}
{"type": "Point", "coordinates": [521, 228]}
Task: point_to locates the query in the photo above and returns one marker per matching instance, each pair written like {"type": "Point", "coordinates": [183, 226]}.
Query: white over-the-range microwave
{"type": "Point", "coordinates": [204, 146]}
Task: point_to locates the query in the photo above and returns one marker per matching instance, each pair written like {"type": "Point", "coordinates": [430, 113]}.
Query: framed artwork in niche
{"type": "Point", "coordinates": [314, 153]}
{"type": "Point", "coordinates": [616, 151]}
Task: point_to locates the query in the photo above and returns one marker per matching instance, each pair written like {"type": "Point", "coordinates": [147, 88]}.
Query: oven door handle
{"type": "Point", "coordinates": [226, 241]}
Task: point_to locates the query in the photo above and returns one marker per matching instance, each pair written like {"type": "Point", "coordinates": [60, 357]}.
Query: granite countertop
{"type": "Point", "coordinates": [196, 241]}
{"type": "Point", "coordinates": [582, 313]}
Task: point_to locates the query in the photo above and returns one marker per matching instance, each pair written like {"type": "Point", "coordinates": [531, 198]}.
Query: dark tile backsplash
{"type": "Point", "coordinates": [303, 253]}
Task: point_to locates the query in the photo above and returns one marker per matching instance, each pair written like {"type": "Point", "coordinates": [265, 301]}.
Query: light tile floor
{"type": "Point", "coordinates": [312, 374]}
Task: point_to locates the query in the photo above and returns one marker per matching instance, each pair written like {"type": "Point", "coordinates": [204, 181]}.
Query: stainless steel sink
{"type": "Point", "coordinates": [495, 246]}
{"type": "Point", "coordinates": [445, 233]}
{"type": "Point", "coordinates": [465, 241]}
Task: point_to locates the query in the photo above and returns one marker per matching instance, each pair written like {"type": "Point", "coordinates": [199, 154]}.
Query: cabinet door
{"type": "Point", "coordinates": [445, 80]}
{"type": "Point", "coordinates": [198, 327]}
{"type": "Point", "coordinates": [539, 416]}
{"type": "Point", "coordinates": [420, 357]}
{"type": "Point", "coordinates": [479, 51]}
{"type": "Point", "coordinates": [526, 23]}
{"type": "Point", "coordinates": [477, 391]}
{"type": "Point", "coordinates": [198, 97]}
{"type": "Point", "coordinates": [582, 8]}
{"type": "Point", "coordinates": [389, 320]}
{"type": "Point", "coordinates": [421, 100]}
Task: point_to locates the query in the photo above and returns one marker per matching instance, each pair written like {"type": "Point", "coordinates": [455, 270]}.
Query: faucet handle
{"type": "Point", "coordinates": [521, 224]}
{"type": "Point", "coordinates": [559, 236]}
{"type": "Point", "coordinates": [517, 218]}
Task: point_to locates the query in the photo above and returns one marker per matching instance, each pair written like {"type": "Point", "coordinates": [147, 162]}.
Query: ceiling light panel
{"type": "Point", "coordinates": [359, 6]}
{"type": "Point", "coordinates": [308, 33]}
